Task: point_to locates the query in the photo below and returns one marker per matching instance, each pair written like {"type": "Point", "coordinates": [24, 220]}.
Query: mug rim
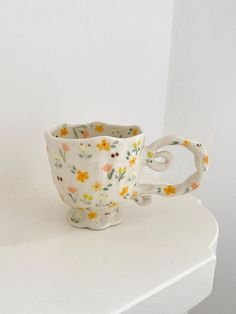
{"type": "Point", "coordinates": [48, 133]}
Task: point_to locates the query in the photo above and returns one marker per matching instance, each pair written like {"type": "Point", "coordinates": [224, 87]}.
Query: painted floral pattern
{"type": "Point", "coordinates": [92, 215]}
{"type": "Point", "coordinates": [85, 151]}
{"type": "Point", "coordinates": [97, 186]}
{"type": "Point", "coordinates": [172, 190]}
{"type": "Point", "coordinates": [64, 131]}
{"type": "Point", "coordinates": [82, 175]}
{"type": "Point", "coordinates": [104, 145]}
{"type": "Point", "coordinates": [125, 192]}
{"type": "Point", "coordinates": [93, 129]}
{"type": "Point", "coordinates": [169, 190]}
{"type": "Point", "coordinates": [101, 173]}
{"type": "Point", "coordinates": [99, 128]}
{"type": "Point", "coordinates": [96, 194]}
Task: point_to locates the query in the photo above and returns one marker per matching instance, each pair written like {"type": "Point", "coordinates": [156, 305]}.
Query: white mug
{"type": "Point", "coordinates": [96, 166]}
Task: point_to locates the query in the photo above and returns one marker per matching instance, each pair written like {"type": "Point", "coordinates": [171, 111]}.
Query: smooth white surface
{"type": "Point", "coordinates": [201, 104]}
{"type": "Point", "coordinates": [75, 62]}
{"type": "Point", "coordinates": [161, 258]}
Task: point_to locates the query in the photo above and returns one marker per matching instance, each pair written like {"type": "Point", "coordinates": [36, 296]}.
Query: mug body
{"type": "Point", "coordinates": [95, 168]}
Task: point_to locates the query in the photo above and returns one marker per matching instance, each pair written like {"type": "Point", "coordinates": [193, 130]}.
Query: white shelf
{"type": "Point", "coordinates": [161, 259]}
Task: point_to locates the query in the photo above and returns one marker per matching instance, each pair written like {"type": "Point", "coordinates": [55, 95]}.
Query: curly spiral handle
{"type": "Point", "coordinates": [192, 182]}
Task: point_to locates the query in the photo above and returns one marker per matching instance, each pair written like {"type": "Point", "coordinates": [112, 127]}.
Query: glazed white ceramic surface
{"type": "Point", "coordinates": [96, 166]}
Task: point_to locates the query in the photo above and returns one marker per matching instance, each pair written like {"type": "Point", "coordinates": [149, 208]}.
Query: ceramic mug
{"type": "Point", "coordinates": [96, 166]}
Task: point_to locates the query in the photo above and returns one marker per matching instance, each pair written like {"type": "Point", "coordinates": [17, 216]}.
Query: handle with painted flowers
{"type": "Point", "coordinates": [192, 182]}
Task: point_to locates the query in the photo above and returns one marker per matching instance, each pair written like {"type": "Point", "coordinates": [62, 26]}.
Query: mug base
{"type": "Point", "coordinates": [79, 219]}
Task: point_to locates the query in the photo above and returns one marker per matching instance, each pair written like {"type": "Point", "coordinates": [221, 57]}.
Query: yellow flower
{"type": "Point", "coordinates": [121, 170]}
{"type": "Point", "coordinates": [92, 215]}
{"type": "Point", "coordinates": [88, 197]}
{"type": "Point", "coordinates": [124, 191]}
{"type": "Point", "coordinates": [185, 143]}
{"type": "Point", "coordinates": [132, 161]}
{"type": "Point", "coordinates": [104, 145]}
{"type": "Point", "coordinates": [135, 145]}
{"type": "Point", "coordinates": [99, 128]}
{"type": "Point", "coordinates": [205, 159]}
{"type": "Point", "coordinates": [169, 189]}
{"type": "Point", "coordinates": [150, 154]}
{"type": "Point", "coordinates": [135, 132]}
{"type": "Point", "coordinates": [64, 131]}
{"type": "Point", "coordinates": [82, 175]}
{"type": "Point", "coordinates": [97, 186]}
{"type": "Point", "coordinates": [113, 204]}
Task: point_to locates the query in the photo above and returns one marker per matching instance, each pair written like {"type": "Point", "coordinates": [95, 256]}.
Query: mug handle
{"type": "Point", "coordinates": [142, 195]}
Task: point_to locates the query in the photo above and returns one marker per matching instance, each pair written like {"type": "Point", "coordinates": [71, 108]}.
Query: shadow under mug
{"type": "Point", "coordinates": [95, 168]}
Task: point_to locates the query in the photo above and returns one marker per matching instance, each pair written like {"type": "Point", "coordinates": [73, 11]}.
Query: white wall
{"type": "Point", "coordinates": [77, 61]}
{"type": "Point", "coordinates": [202, 104]}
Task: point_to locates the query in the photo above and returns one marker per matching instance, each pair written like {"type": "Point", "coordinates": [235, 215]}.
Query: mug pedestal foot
{"type": "Point", "coordinates": [94, 219]}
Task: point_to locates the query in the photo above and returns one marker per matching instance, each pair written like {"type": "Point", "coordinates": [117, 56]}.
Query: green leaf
{"type": "Point", "coordinates": [75, 133]}
{"type": "Point", "coordinates": [110, 174]}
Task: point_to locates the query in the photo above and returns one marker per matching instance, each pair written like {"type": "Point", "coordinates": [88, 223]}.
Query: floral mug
{"type": "Point", "coordinates": [96, 166]}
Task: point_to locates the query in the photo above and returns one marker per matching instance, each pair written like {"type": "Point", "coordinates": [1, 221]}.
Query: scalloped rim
{"type": "Point", "coordinates": [52, 137]}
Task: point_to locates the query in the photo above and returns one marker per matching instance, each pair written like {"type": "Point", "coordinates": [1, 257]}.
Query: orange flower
{"type": "Point", "coordinates": [65, 147]}
{"type": "Point", "coordinates": [82, 175]}
{"type": "Point", "coordinates": [135, 132]}
{"type": "Point", "coordinates": [113, 204]}
{"type": "Point", "coordinates": [107, 167]}
{"type": "Point", "coordinates": [185, 143]}
{"type": "Point", "coordinates": [81, 208]}
{"type": "Point", "coordinates": [92, 215]}
{"type": "Point", "coordinates": [205, 160]}
{"type": "Point", "coordinates": [99, 128]}
{"type": "Point", "coordinates": [97, 186]}
{"type": "Point", "coordinates": [169, 189]}
{"type": "Point", "coordinates": [132, 161]}
{"type": "Point", "coordinates": [104, 145]}
{"type": "Point", "coordinates": [72, 189]}
{"type": "Point", "coordinates": [124, 191]}
{"type": "Point", "coordinates": [85, 133]}
{"type": "Point", "coordinates": [194, 185]}
{"type": "Point", "coordinates": [64, 131]}
{"type": "Point", "coordinates": [134, 194]}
